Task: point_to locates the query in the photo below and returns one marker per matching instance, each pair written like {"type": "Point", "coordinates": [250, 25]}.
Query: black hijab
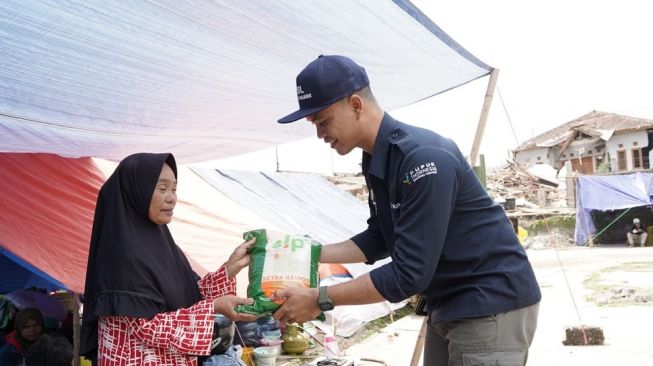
{"type": "Point", "coordinates": [20, 319]}
{"type": "Point", "coordinates": [134, 266]}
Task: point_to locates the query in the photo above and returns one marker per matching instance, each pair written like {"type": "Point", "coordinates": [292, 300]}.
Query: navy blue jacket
{"type": "Point", "coordinates": [447, 238]}
{"type": "Point", "coordinates": [9, 355]}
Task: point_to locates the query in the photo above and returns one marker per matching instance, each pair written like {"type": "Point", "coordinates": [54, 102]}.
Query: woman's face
{"type": "Point", "coordinates": [164, 197]}
{"type": "Point", "coordinates": [31, 330]}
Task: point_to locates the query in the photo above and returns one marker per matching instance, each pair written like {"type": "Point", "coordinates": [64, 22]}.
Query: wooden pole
{"type": "Point", "coordinates": [76, 329]}
{"type": "Point", "coordinates": [480, 171]}
{"type": "Point", "coordinates": [489, 94]}
{"type": "Point", "coordinates": [419, 345]}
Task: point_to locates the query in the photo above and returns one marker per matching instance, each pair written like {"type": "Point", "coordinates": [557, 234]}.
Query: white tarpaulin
{"type": "Point", "coordinates": [202, 79]}
{"type": "Point", "coordinates": [306, 204]}
{"type": "Point", "coordinates": [296, 203]}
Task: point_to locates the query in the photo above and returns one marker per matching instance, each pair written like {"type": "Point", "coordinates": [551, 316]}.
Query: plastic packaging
{"type": "Point", "coordinates": [331, 347]}
{"type": "Point", "coordinates": [223, 334]}
{"type": "Point", "coordinates": [248, 356]}
{"type": "Point", "coordinates": [279, 260]}
{"type": "Point", "coordinates": [268, 328]}
{"type": "Point", "coordinates": [247, 334]}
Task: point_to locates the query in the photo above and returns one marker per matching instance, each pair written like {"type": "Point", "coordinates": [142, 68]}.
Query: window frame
{"type": "Point", "coordinates": [625, 159]}
{"type": "Point", "coordinates": [640, 156]}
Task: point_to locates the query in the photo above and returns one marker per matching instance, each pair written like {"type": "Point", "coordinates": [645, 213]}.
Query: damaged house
{"type": "Point", "coordinates": [596, 142]}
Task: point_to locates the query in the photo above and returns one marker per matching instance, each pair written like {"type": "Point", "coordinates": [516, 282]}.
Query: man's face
{"type": "Point", "coordinates": [164, 197]}
{"type": "Point", "coordinates": [337, 126]}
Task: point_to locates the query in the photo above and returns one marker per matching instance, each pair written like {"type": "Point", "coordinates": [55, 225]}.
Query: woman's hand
{"type": "Point", "coordinates": [225, 305]}
{"type": "Point", "coordinates": [239, 259]}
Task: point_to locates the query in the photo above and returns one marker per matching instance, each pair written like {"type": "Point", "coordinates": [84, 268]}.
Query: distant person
{"type": "Point", "coordinates": [143, 304]}
{"type": "Point", "coordinates": [50, 350]}
{"type": "Point", "coordinates": [637, 232]}
{"type": "Point", "coordinates": [28, 327]}
{"type": "Point", "coordinates": [447, 238]}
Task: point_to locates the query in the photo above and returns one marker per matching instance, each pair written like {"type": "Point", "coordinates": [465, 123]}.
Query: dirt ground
{"type": "Point", "coordinates": [611, 287]}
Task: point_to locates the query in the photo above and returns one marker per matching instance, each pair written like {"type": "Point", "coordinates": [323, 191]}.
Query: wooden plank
{"type": "Point", "coordinates": [570, 139]}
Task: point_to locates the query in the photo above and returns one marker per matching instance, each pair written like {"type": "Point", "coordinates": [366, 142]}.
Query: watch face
{"type": "Point", "coordinates": [323, 300]}
{"type": "Point", "coordinates": [326, 306]}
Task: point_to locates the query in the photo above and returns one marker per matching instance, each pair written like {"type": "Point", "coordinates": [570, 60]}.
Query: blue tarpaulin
{"type": "Point", "coordinates": [613, 192]}
{"type": "Point", "coordinates": [17, 274]}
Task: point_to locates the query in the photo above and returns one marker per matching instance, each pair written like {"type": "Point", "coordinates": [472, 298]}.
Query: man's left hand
{"type": "Point", "coordinates": [300, 304]}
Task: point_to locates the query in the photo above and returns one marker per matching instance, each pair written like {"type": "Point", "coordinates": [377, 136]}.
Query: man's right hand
{"type": "Point", "coordinates": [299, 304]}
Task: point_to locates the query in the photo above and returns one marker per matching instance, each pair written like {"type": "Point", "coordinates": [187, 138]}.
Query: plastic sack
{"type": "Point", "coordinates": [231, 357]}
{"type": "Point", "coordinates": [279, 260]}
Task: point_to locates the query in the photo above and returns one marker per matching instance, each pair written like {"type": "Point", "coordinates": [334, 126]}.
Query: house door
{"type": "Point", "coordinates": [584, 165]}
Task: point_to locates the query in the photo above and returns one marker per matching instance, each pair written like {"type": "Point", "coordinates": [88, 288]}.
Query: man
{"type": "Point", "coordinates": [637, 232]}
{"type": "Point", "coordinates": [447, 239]}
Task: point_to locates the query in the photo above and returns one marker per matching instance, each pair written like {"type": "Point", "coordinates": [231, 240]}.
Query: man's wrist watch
{"type": "Point", "coordinates": [323, 300]}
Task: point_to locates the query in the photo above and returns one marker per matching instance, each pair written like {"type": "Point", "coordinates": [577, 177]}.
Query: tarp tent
{"type": "Point", "coordinates": [48, 204]}
{"type": "Point", "coordinates": [45, 222]}
{"type": "Point", "coordinates": [204, 80]}
{"type": "Point", "coordinates": [613, 192]}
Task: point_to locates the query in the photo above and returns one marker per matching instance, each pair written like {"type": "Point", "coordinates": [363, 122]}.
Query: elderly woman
{"type": "Point", "coordinates": [28, 327]}
{"type": "Point", "coordinates": [143, 304]}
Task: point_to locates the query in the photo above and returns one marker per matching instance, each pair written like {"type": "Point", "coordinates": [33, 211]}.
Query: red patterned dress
{"type": "Point", "coordinates": [169, 339]}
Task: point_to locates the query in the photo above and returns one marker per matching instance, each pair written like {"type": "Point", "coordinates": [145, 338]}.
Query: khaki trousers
{"type": "Point", "coordinates": [501, 339]}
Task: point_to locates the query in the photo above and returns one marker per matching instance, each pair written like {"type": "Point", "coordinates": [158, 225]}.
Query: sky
{"type": "Point", "coordinates": [557, 59]}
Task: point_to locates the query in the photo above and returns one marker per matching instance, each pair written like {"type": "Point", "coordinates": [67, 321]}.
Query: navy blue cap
{"type": "Point", "coordinates": [325, 81]}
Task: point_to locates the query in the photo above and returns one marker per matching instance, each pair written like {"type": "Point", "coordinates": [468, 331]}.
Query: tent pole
{"type": "Point", "coordinates": [419, 345]}
{"type": "Point", "coordinates": [76, 329]}
{"type": "Point", "coordinates": [489, 94]}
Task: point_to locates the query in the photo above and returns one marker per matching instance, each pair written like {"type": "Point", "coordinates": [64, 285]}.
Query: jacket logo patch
{"type": "Point", "coordinates": [421, 171]}
{"type": "Point", "coordinates": [395, 205]}
{"type": "Point", "coordinates": [407, 181]}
